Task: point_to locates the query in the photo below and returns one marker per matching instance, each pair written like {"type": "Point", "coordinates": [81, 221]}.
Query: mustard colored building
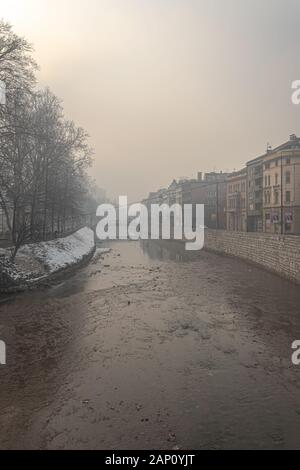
{"type": "Point", "coordinates": [281, 188]}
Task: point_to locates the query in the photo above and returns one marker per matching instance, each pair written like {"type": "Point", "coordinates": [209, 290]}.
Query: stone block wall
{"type": "Point", "coordinates": [280, 254]}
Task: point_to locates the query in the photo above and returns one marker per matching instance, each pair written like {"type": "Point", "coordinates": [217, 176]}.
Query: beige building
{"type": "Point", "coordinates": [255, 195]}
{"type": "Point", "coordinates": [281, 188]}
{"type": "Point", "coordinates": [237, 201]}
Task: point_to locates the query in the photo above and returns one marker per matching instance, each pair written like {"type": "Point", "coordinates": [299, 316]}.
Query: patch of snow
{"type": "Point", "coordinates": [62, 252]}
{"type": "Point", "coordinates": [103, 251]}
{"type": "Point", "coordinates": [35, 262]}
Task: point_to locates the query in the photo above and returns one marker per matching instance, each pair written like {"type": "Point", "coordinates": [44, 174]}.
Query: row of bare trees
{"type": "Point", "coordinates": [43, 156]}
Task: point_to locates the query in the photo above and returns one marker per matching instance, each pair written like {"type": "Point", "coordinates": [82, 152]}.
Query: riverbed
{"type": "Point", "coordinates": [152, 347]}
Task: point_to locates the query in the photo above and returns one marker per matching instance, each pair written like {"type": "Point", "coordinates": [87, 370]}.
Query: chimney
{"type": "Point", "coordinates": [269, 147]}
{"type": "Point", "coordinates": [199, 175]}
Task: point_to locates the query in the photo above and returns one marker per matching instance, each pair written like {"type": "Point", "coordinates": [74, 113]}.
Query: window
{"type": "Point", "coordinates": [288, 177]}
{"type": "Point", "coordinates": [267, 166]}
{"type": "Point", "coordinates": [276, 178]}
{"type": "Point", "coordinates": [269, 180]}
{"type": "Point", "coordinates": [276, 162]}
{"type": "Point", "coordinates": [266, 181]}
{"type": "Point", "coordinates": [267, 197]}
{"type": "Point", "coordinates": [288, 196]}
{"type": "Point", "coordinates": [276, 196]}
{"type": "Point", "coordinates": [287, 227]}
{"type": "Point", "coordinates": [288, 161]}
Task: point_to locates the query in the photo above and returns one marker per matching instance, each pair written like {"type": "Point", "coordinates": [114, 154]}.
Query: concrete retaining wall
{"type": "Point", "coordinates": [280, 254]}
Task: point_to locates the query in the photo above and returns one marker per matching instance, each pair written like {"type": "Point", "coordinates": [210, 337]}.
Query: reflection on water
{"type": "Point", "coordinates": [167, 250]}
{"type": "Point", "coordinates": [151, 250]}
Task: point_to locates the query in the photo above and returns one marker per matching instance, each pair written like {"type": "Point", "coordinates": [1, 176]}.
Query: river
{"type": "Point", "coordinates": [152, 347]}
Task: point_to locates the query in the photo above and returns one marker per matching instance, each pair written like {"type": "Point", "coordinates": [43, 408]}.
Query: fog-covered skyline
{"type": "Point", "coordinates": [166, 88]}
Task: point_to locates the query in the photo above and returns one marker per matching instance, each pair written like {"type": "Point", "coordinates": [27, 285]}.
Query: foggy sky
{"type": "Point", "coordinates": [167, 88]}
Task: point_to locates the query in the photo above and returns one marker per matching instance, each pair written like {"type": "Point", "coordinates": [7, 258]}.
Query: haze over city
{"type": "Point", "coordinates": [149, 230]}
{"type": "Point", "coordinates": [167, 88]}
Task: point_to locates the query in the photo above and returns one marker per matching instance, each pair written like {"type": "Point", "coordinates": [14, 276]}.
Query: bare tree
{"type": "Point", "coordinates": [43, 157]}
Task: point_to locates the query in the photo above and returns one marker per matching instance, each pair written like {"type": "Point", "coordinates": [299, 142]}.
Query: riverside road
{"type": "Point", "coordinates": [152, 347]}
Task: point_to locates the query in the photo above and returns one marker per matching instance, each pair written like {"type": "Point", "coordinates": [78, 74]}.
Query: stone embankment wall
{"type": "Point", "coordinates": [277, 253]}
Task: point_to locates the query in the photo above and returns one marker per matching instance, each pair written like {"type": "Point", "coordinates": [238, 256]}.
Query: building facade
{"type": "Point", "coordinates": [209, 189]}
{"type": "Point", "coordinates": [212, 193]}
{"type": "Point", "coordinates": [262, 197]}
{"type": "Point", "coordinates": [281, 188]}
{"type": "Point", "coordinates": [255, 195]}
{"type": "Point", "coordinates": [237, 201]}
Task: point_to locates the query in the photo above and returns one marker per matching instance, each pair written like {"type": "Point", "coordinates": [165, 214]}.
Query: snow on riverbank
{"type": "Point", "coordinates": [63, 252]}
{"type": "Point", "coordinates": [38, 261]}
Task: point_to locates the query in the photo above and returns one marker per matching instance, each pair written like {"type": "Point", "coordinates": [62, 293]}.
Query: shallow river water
{"type": "Point", "coordinates": [152, 347]}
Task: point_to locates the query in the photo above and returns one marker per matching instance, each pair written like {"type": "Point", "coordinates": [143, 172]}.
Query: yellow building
{"type": "Point", "coordinates": [281, 188]}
